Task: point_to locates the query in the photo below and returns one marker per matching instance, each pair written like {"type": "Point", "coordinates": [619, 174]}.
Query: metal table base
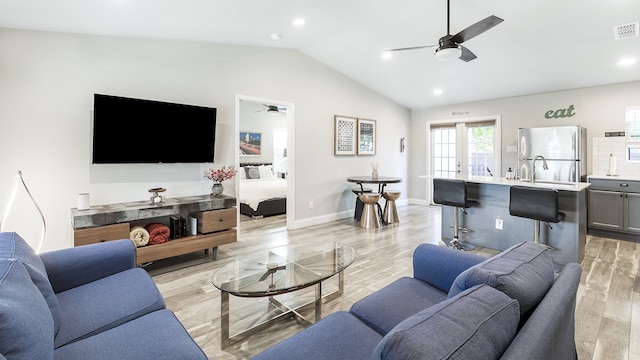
{"type": "Point", "coordinates": [226, 340]}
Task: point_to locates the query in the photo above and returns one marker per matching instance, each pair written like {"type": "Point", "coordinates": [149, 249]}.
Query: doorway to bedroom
{"type": "Point", "coordinates": [264, 161]}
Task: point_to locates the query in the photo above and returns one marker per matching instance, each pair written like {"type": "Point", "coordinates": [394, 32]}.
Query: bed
{"type": "Point", "coordinates": [261, 192]}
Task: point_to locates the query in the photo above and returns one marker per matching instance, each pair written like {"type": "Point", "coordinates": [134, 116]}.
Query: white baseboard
{"type": "Point", "coordinates": [323, 219]}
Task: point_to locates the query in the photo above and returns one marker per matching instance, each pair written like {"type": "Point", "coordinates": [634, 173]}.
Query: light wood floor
{"type": "Point", "coordinates": [607, 314]}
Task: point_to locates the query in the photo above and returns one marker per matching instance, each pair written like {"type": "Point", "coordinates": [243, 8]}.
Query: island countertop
{"type": "Point", "coordinates": [579, 186]}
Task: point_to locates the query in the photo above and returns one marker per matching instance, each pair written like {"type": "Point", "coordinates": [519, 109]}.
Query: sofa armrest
{"type": "Point", "coordinates": [439, 266]}
{"type": "Point", "coordinates": [72, 267]}
{"type": "Point", "coordinates": [549, 333]}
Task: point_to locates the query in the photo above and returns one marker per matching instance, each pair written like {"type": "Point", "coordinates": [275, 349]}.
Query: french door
{"type": "Point", "coordinates": [463, 148]}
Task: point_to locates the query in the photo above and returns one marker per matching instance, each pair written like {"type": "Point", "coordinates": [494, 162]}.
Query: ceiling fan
{"type": "Point", "coordinates": [449, 47]}
{"type": "Point", "coordinates": [273, 109]}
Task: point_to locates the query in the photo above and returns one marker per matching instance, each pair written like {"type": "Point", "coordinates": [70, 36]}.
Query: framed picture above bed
{"type": "Point", "coordinates": [344, 141]}
{"type": "Point", "coordinates": [366, 137]}
{"type": "Point", "coordinates": [250, 143]}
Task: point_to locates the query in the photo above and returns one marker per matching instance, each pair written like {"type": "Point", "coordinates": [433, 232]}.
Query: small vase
{"type": "Point", "coordinates": [217, 189]}
{"type": "Point", "coordinates": [374, 175]}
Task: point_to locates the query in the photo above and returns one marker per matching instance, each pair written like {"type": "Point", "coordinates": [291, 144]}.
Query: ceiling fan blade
{"type": "Point", "coordinates": [466, 55]}
{"type": "Point", "coordinates": [476, 29]}
{"type": "Point", "coordinates": [412, 48]}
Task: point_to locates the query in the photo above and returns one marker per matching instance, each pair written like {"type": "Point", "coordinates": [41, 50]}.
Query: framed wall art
{"type": "Point", "coordinates": [250, 143]}
{"type": "Point", "coordinates": [344, 135]}
{"type": "Point", "coordinates": [366, 137]}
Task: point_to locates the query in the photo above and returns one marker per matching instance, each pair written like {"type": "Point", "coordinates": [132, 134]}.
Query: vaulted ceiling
{"type": "Point", "coordinates": [542, 45]}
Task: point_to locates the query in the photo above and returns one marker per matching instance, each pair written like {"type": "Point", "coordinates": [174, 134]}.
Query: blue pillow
{"type": "Point", "coordinates": [478, 323]}
{"type": "Point", "coordinates": [27, 325]}
{"type": "Point", "coordinates": [12, 246]}
{"type": "Point", "coordinates": [524, 272]}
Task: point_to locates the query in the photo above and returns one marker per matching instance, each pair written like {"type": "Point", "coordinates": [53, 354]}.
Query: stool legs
{"type": "Point", "coordinates": [390, 214]}
{"type": "Point", "coordinates": [455, 242]}
{"type": "Point", "coordinates": [370, 218]}
{"type": "Point", "coordinates": [357, 214]}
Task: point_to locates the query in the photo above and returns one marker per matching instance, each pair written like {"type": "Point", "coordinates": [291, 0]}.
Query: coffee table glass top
{"type": "Point", "coordinates": [283, 269]}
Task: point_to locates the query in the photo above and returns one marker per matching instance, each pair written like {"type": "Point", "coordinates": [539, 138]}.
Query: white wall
{"type": "Point", "coordinates": [599, 109]}
{"type": "Point", "coordinates": [47, 82]}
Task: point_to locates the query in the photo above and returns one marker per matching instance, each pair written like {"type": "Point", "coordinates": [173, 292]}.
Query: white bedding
{"type": "Point", "coordinates": [254, 191]}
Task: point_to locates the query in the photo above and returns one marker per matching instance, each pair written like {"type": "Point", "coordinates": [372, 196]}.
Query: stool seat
{"type": "Point", "coordinates": [390, 214]}
{"type": "Point", "coordinates": [369, 219]}
{"type": "Point", "coordinates": [539, 204]}
{"type": "Point", "coordinates": [451, 192]}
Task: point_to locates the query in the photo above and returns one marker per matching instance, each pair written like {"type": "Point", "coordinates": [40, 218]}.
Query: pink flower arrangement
{"type": "Point", "coordinates": [220, 175]}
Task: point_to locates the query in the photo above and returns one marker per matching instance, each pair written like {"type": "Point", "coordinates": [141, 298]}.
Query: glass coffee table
{"type": "Point", "coordinates": [278, 271]}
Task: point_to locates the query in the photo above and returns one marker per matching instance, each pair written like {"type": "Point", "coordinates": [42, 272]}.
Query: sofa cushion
{"type": "Point", "coordinates": [106, 303]}
{"type": "Point", "coordinates": [338, 336]}
{"type": "Point", "coordinates": [478, 323]}
{"type": "Point", "coordinates": [158, 335]}
{"type": "Point", "coordinates": [387, 307]}
{"type": "Point", "coordinates": [14, 246]}
{"type": "Point", "coordinates": [524, 272]}
{"type": "Point", "coordinates": [26, 324]}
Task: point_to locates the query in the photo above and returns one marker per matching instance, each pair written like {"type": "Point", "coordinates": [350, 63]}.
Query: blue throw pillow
{"type": "Point", "coordinates": [26, 322]}
{"type": "Point", "coordinates": [524, 272]}
{"type": "Point", "coordinates": [12, 246]}
{"type": "Point", "coordinates": [478, 323]}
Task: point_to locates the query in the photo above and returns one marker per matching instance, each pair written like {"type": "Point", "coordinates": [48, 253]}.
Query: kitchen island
{"type": "Point", "coordinates": [567, 238]}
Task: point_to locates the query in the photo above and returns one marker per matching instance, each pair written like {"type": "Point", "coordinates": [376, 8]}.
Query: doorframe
{"type": "Point", "coordinates": [497, 145]}
{"type": "Point", "coordinates": [290, 149]}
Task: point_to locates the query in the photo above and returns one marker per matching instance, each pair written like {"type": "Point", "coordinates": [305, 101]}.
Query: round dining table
{"type": "Point", "coordinates": [382, 181]}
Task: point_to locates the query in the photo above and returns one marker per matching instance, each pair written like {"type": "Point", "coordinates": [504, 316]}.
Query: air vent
{"type": "Point", "coordinates": [627, 31]}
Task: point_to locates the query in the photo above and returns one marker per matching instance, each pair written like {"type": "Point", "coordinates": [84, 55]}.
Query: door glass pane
{"type": "Point", "coordinates": [480, 151]}
{"type": "Point", "coordinates": [444, 152]}
{"type": "Point", "coordinates": [280, 152]}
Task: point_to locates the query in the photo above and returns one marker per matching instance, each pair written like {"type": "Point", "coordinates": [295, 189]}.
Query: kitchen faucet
{"type": "Point", "coordinates": [533, 170]}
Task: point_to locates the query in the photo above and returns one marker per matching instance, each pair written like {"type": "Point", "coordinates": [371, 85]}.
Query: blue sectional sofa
{"type": "Point", "coordinates": [87, 302]}
{"type": "Point", "coordinates": [457, 305]}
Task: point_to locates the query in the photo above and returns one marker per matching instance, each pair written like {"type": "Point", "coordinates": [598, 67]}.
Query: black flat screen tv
{"type": "Point", "coordinates": [134, 131]}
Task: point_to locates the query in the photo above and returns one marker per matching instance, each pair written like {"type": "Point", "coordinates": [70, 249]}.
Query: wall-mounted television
{"type": "Point", "coordinates": [130, 131]}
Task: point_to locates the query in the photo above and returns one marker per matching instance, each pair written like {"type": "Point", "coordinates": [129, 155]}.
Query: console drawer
{"type": "Point", "coordinates": [101, 234]}
{"type": "Point", "coordinates": [216, 220]}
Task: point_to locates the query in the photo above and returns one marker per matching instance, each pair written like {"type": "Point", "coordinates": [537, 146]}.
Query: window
{"type": "Point", "coordinates": [444, 151]}
{"type": "Point", "coordinates": [632, 133]}
{"type": "Point", "coordinates": [481, 149]}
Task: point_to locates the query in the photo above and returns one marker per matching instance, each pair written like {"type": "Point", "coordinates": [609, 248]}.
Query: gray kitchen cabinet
{"type": "Point", "coordinates": [632, 212]}
{"type": "Point", "coordinates": [614, 206]}
{"type": "Point", "coordinates": [606, 209]}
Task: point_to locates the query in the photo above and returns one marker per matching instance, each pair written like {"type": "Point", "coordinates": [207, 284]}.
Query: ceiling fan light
{"type": "Point", "coordinates": [448, 53]}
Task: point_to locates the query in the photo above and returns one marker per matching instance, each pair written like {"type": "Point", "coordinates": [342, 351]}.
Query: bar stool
{"type": "Point", "coordinates": [390, 214]}
{"type": "Point", "coordinates": [453, 192]}
{"type": "Point", "coordinates": [370, 218]}
{"type": "Point", "coordinates": [539, 204]}
{"type": "Point", "coordinates": [357, 212]}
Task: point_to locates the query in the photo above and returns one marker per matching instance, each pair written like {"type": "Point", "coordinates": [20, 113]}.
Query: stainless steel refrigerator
{"type": "Point", "coordinates": [563, 147]}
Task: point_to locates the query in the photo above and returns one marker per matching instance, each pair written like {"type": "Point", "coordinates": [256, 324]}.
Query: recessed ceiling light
{"type": "Point", "coordinates": [387, 55]}
{"type": "Point", "coordinates": [276, 36]}
{"type": "Point", "coordinates": [627, 62]}
{"type": "Point", "coordinates": [299, 22]}
{"type": "Point", "coordinates": [437, 92]}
